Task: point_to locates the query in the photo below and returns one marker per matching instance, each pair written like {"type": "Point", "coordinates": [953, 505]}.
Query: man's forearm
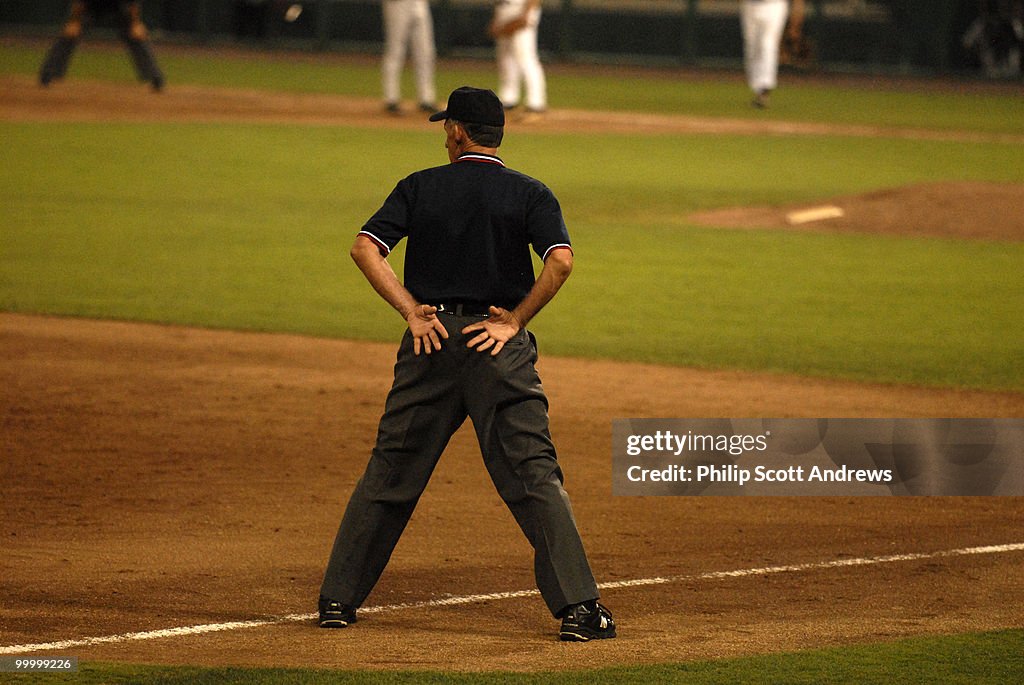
{"type": "Point", "coordinates": [556, 270]}
{"type": "Point", "coordinates": [381, 276]}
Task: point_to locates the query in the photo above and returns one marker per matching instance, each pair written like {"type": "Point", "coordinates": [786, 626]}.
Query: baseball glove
{"type": "Point", "coordinates": [496, 30]}
{"type": "Point", "coordinates": [796, 50]}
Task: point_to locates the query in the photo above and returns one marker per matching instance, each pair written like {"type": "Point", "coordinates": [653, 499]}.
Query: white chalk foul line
{"type": "Point", "coordinates": [473, 599]}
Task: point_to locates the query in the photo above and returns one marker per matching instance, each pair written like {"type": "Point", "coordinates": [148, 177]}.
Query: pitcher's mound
{"type": "Point", "coordinates": [969, 209]}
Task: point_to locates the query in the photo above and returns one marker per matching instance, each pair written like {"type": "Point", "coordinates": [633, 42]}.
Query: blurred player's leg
{"type": "Point", "coordinates": [145, 63]}
{"type": "Point", "coordinates": [424, 56]}
{"type": "Point", "coordinates": [508, 73]}
{"type": "Point", "coordinates": [774, 25]}
{"type": "Point", "coordinates": [136, 38]}
{"type": "Point", "coordinates": [525, 46]}
{"type": "Point", "coordinates": [398, 23]}
{"type": "Point", "coordinates": [55, 64]}
{"type": "Point", "coordinates": [762, 24]}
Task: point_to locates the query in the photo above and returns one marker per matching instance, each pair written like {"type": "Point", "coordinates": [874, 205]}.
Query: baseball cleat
{"type": "Point", "coordinates": [335, 614]}
{"type": "Point", "coordinates": [585, 622]}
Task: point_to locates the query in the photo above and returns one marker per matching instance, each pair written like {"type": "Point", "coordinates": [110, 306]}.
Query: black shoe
{"type": "Point", "coordinates": [335, 614]}
{"type": "Point", "coordinates": [393, 109]}
{"type": "Point", "coordinates": [585, 622]}
{"type": "Point", "coordinates": [428, 108]}
{"type": "Point", "coordinates": [761, 100]}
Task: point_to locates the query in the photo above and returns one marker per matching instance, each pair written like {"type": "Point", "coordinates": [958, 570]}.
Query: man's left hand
{"type": "Point", "coordinates": [498, 329]}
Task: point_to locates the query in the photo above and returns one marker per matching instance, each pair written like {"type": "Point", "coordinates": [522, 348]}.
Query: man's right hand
{"type": "Point", "coordinates": [425, 328]}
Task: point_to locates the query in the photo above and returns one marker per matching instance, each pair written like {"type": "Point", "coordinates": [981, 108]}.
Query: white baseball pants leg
{"type": "Point", "coordinates": [763, 22]}
{"type": "Point", "coordinates": [408, 23]}
{"type": "Point", "coordinates": [519, 64]}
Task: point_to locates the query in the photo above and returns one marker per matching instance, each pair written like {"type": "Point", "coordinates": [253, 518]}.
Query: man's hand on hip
{"type": "Point", "coordinates": [498, 329]}
{"type": "Point", "coordinates": [425, 328]}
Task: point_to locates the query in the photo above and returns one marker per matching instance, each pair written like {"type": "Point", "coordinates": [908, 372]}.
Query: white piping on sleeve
{"type": "Point", "coordinates": [566, 246]}
{"type": "Point", "coordinates": [377, 241]}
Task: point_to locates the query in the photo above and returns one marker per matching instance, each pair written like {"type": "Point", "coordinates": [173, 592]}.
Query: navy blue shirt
{"type": "Point", "coordinates": [470, 226]}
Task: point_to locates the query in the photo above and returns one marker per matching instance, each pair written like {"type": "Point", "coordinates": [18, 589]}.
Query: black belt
{"type": "Point", "coordinates": [463, 309]}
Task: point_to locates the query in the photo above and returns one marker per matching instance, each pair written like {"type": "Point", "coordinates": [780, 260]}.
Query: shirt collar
{"type": "Point", "coordinates": [479, 157]}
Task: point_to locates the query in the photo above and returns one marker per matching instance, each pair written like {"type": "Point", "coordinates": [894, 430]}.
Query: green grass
{"type": "Point", "coordinates": [246, 226]}
{"type": "Point", "coordinates": [995, 658]}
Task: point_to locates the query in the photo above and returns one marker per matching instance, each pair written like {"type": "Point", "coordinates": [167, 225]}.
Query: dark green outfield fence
{"type": "Point", "coordinates": [858, 35]}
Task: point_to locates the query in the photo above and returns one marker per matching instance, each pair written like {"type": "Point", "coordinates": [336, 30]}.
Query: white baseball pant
{"type": "Point", "coordinates": [408, 23]}
{"type": "Point", "coordinates": [763, 22]}
{"type": "Point", "coordinates": [518, 61]}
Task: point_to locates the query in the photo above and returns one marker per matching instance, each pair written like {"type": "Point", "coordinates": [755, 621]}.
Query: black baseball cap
{"type": "Point", "coordinates": [473, 106]}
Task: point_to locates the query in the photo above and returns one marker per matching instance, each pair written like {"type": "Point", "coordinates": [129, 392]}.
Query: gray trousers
{"type": "Point", "coordinates": [430, 399]}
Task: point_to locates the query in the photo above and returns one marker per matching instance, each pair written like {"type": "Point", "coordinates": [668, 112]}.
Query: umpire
{"type": "Point", "coordinates": [133, 34]}
{"type": "Point", "coordinates": [468, 282]}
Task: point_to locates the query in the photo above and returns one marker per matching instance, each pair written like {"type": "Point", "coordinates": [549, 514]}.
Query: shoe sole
{"type": "Point", "coordinates": [334, 623]}
{"type": "Point", "coordinates": [584, 636]}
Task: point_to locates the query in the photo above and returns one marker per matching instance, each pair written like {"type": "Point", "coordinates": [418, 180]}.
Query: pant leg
{"type": "Point", "coordinates": [528, 60]}
{"type": "Point", "coordinates": [509, 76]}
{"type": "Point", "coordinates": [424, 53]}
{"type": "Point", "coordinates": [763, 24]}
{"type": "Point", "coordinates": [55, 64]}
{"type": "Point", "coordinates": [525, 48]}
{"type": "Point", "coordinates": [748, 25]}
{"type": "Point", "coordinates": [422, 412]}
{"type": "Point", "coordinates": [771, 38]}
{"type": "Point", "coordinates": [509, 410]}
{"type": "Point", "coordinates": [145, 63]}
{"type": "Point", "coordinates": [135, 38]}
{"type": "Point", "coordinates": [397, 25]}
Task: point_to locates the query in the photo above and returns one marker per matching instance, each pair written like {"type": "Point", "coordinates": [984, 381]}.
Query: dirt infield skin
{"type": "Point", "coordinates": [158, 476]}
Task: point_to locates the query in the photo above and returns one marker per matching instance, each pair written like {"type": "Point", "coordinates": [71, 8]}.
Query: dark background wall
{"type": "Point", "coordinates": [860, 35]}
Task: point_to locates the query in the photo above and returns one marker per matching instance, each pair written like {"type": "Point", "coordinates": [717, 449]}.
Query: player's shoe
{"type": "Point", "coordinates": [585, 622]}
{"type": "Point", "coordinates": [428, 108]}
{"type": "Point", "coordinates": [393, 108]}
{"type": "Point", "coordinates": [335, 614]}
{"type": "Point", "coordinates": [762, 99]}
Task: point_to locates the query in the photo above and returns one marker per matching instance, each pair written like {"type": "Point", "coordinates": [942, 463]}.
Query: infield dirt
{"type": "Point", "coordinates": [157, 476]}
